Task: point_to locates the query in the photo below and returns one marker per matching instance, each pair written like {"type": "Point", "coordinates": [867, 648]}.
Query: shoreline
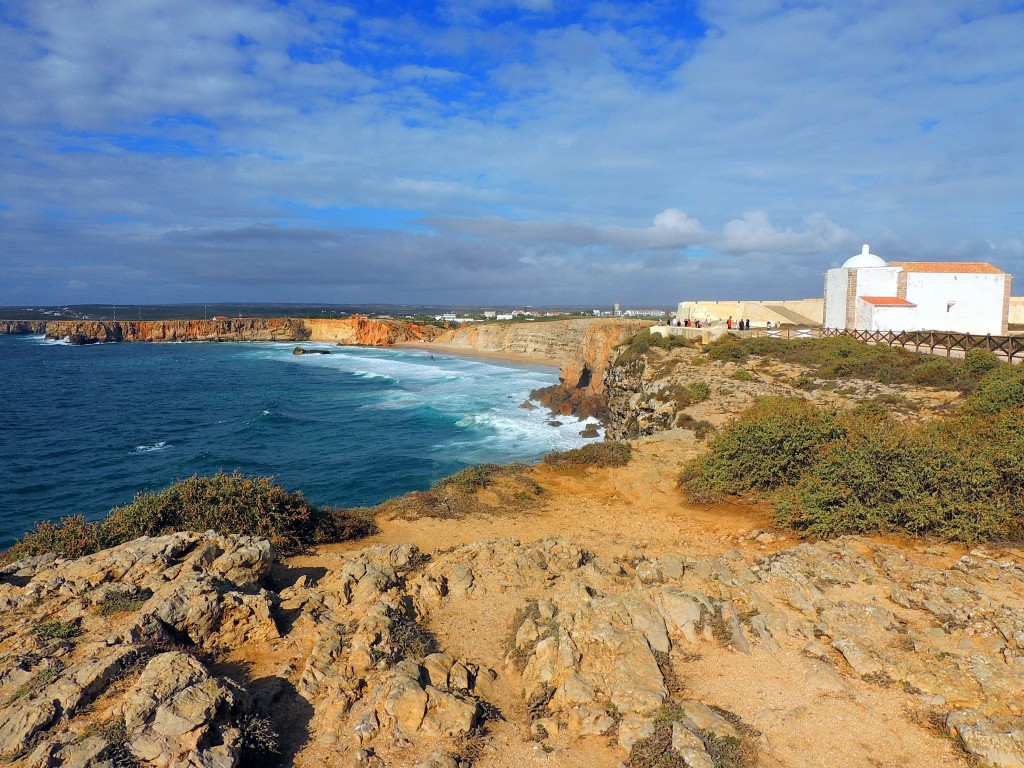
{"type": "Point", "coordinates": [508, 357]}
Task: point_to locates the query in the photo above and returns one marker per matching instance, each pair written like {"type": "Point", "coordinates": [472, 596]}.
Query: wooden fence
{"type": "Point", "coordinates": [1010, 348]}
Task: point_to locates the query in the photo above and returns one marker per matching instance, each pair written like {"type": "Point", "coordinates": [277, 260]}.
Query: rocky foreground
{"type": "Point", "coordinates": [596, 618]}
{"type": "Point", "coordinates": [189, 650]}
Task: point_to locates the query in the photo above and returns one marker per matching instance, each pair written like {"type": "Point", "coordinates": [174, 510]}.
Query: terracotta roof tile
{"type": "Point", "coordinates": [948, 267]}
{"type": "Point", "coordinates": [887, 301]}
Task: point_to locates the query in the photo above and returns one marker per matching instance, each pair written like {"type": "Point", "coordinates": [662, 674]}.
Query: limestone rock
{"type": "Point", "coordinates": [177, 714]}
{"type": "Point", "coordinates": [997, 742]}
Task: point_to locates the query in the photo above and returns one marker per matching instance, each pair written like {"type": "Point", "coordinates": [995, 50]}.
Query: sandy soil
{"type": "Point", "coordinates": [638, 510]}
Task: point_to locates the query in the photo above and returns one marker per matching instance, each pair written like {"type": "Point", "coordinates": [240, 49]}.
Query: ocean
{"type": "Point", "coordinates": [83, 429]}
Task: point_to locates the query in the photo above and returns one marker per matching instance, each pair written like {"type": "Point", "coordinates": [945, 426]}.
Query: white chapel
{"type": "Point", "coordinates": [869, 294]}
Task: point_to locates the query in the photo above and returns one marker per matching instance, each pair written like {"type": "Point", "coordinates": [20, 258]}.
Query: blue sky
{"type": "Point", "coordinates": [499, 151]}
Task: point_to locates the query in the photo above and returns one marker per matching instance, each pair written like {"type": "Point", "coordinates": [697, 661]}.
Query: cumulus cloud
{"type": "Point", "coordinates": [755, 233]}
{"type": "Point", "coordinates": [508, 134]}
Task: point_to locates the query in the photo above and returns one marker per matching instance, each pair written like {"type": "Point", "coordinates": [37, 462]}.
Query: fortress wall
{"type": "Point", "coordinates": [1016, 310]}
{"type": "Point", "coordinates": [756, 311]}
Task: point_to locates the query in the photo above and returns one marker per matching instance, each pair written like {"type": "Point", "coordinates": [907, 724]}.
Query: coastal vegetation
{"type": "Point", "coordinates": [225, 502]}
{"type": "Point", "coordinates": [844, 357]}
{"type": "Point", "coordinates": [829, 472]}
{"type": "Point", "coordinates": [637, 346]}
{"type": "Point", "coordinates": [610, 453]}
{"type": "Point", "coordinates": [509, 488]}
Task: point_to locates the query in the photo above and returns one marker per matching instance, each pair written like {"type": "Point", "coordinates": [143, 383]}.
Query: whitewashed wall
{"type": "Point", "coordinates": [835, 298]}
{"type": "Point", "coordinates": [977, 302]}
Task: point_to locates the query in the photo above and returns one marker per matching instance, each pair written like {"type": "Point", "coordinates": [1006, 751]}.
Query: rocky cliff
{"type": "Point", "coordinates": [356, 330]}
{"type": "Point", "coordinates": [22, 326]}
{"type": "Point", "coordinates": [367, 332]}
{"type": "Point", "coordinates": [662, 390]}
{"type": "Point", "coordinates": [581, 347]}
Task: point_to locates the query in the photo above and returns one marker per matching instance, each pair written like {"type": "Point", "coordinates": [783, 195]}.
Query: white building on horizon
{"type": "Point", "coordinates": [869, 294]}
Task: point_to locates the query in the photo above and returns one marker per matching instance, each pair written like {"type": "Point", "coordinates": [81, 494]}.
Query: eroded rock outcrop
{"type": "Point", "coordinates": [133, 648]}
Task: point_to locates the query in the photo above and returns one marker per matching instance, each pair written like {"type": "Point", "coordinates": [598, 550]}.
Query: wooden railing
{"type": "Point", "coordinates": [1011, 348]}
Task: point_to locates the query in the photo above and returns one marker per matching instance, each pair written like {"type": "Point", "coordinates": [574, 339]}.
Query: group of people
{"type": "Point", "coordinates": [739, 325]}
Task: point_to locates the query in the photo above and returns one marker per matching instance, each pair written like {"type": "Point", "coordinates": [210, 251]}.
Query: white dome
{"type": "Point", "coordinates": [864, 259]}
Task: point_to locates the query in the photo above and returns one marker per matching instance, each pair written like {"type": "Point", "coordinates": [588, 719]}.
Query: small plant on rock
{"type": "Point", "coordinates": [56, 630]}
{"type": "Point", "coordinates": [610, 453]}
{"type": "Point", "coordinates": [125, 602]}
{"type": "Point", "coordinates": [259, 740]}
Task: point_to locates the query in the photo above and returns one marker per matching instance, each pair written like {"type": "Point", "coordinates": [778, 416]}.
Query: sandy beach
{"type": "Point", "coordinates": [453, 349]}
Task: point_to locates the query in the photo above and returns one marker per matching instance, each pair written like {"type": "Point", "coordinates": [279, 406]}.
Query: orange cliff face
{"type": "Point", "coordinates": [361, 331]}
{"type": "Point", "coordinates": [21, 327]}
{"type": "Point", "coordinates": [367, 332]}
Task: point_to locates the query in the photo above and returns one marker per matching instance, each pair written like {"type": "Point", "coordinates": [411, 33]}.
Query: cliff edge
{"type": "Point", "coordinates": [581, 347]}
{"type": "Point", "coordinates": [355, 330]}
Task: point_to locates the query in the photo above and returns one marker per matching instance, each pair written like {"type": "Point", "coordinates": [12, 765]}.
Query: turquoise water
{"type": "Point", "coordinates": [82, 429]}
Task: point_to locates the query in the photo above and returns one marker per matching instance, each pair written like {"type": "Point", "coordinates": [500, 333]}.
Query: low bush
{"type": "Point", "coordinates": [56, 630]}
{"type": "Point", "coordinates": [844, 357]}
{"type": "Point", "coordinates": [226, 503]}
{"type": "Point", "coordinates": [479, 476]}
{"type": "Point", "coordinates": [727, 349]}
{"type": "Point", "coordinates": [232, 503]}
{"type": "Point", "coordinates": [637, 346]}
{"type": "Point", "coordinates": [71, 537]}
{"type": "Point", "coordinates": [125, 602]}
{"type": "Point", "coordinates": [700, 428]}
{"type": "Point", "coordinates": [861, 471]}
{"type": "Point", "coordinates": [768, 447]}
{"type": "Point", "coordinates": [683, 395]}
{"type": "Point", "coordinates": [610, 453]}
{"type": "Point", "coordinates": [1000, 388]}
{"type": "Point", "coordinates": [510, 488]}
{"type": "Point", "coordinates": [37, 682]}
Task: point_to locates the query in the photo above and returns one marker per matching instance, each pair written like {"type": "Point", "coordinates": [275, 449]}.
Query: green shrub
{"type": "Point", "coordinates": [844, 357]}
{"type": "Point", "coordinates": [861, 471]}
{"type": "Point", "coordinates": [683, 395]}
{"type": "Point", "coordinates": [943, 478]}
{"type": "Point", "coordinates": [510, 487]}
{"type": "Point", "coordinates": [610, 453]}
{"type": "Point", "coordinates": [768, 447]}
{"type": "Point", "coordinates": [699, 391]}
{"type": "Point", "coordinates": [699, 427]}
{"type": "Point", "coordinates": [37, 682]}
{"type": "Point", "coordinates": [743, 375]}
{"type": "Point", "coordinates": [728, 349]}
{"type": "Point", "coordinates": [480, 476]}
{"type": "Point", "coordinates": [125, 602]}
{"type": "Point", "coordinates": [980, 361]}
{"type": "Point", "coordinates": [71, 537]}
{"type": "Point", "coordinates": [226, 503]}
{"type": "Point", "coordinates": [999, 388]}
{"type": "Point", "coordinates": [938, 372]}
{"type": "Point", "coordinates": [637, 346]}
{"type": "Point", "coordinates": [56, 630]}
{"type": "Point", "coordinates": [232, 503]}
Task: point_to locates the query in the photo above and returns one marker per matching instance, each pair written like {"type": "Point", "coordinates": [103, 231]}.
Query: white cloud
{"type": "Point", "coordinates": [533, 141]}
{"type": "Point", "coordinates": [755, 233]}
